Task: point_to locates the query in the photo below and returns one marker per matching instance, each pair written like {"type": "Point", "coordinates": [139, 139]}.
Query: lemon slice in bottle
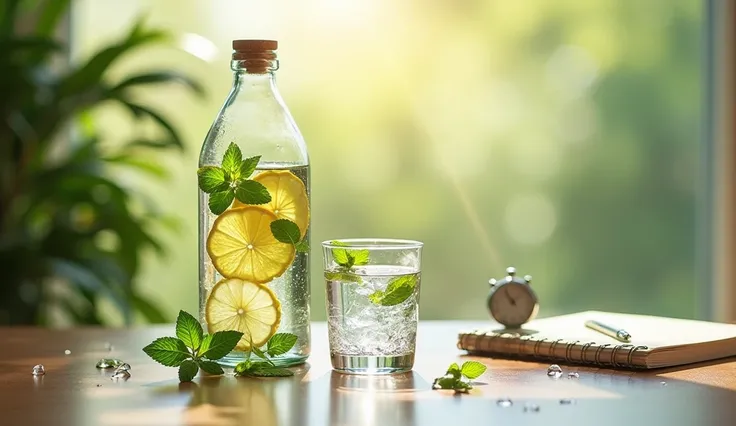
{"type": "Point", "coordinates": [244, 306]}
{"type": "Point", "coordinates": [288, 197]}
{"type": "Point", "coordinates": [241, 245]}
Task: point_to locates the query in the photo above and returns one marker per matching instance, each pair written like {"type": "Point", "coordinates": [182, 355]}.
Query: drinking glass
{"type": "Point", "coordinates": [372, 303]}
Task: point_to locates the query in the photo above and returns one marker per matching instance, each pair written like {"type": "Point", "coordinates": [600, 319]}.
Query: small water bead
{"type": "Point", "coordinates": [120, 374]}
{"type": "Point", "coordinates": [504, 403]}
{"type": "Point", "coordinates": [663, 383]}
{"type": "Point", "coordinates": [108, 363]}
{"type": "Point", "coordinates": [531, 408]}
{"type": "Point", "coordinates": [554, 370]}
{"type": "Point", "coordinates": [124, 366]}
{"type": "Point", "coordinates": [67, 352]}
{"type": "Point", "coordinates": [567, 401]}
{"type": "Point", "coordinates": [573, 375]}
{"type": "Point", "coordinates": [38, 370]}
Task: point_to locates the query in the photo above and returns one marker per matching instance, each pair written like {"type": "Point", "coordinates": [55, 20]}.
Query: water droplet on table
{"type": "Point", "coordinates": [109, 363]}
{"type": "Point", "coordinates": [120, 374]}
{"type": "Point", "coordinates": [67, 352]}
{"type": "Point", "coordinates": [573, 375]}
{"type": "Point", "coordinates": [38, 370]}
{"type": "Point", "coordinates": [663, 383]}
{"type": "Point", "coordinates": [99, 385]}
{"type": "Point", "coordinates": [504, 403]}
{"type": "Point", "coordinates": [567, 401]}
{"type": "Point", "coordinates": [554, 370]}
{"type": "Point", "coordinates": [123, 366]}
{"type": "Point", "coordinates": [531, 408]}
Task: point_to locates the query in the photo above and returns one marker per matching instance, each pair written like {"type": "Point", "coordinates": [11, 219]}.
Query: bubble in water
{"type": "Point", "coordinates": [38, 370]}
{"type": "Point", "coordinates": [504, 403]}
{"type": "Point", "coordinates": [573, 375]}
{"type": "Point", "coordinates": [531, 408]}
{"type": "Point", "coordinates": [109, 363]}
{"type": "Point", "coordinates": [554, 370]}
{"type": "Point", "coordinates": [67, 352]}
{"type": "Point", "coordinates": [567, 401]}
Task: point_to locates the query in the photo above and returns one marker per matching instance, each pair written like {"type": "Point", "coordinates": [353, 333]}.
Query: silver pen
{"type": "Point", "coordinates": [617, 333]}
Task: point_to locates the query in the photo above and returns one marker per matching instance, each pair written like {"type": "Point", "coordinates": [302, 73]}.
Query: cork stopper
{"type": "Point", "coordinates": [256, 56]}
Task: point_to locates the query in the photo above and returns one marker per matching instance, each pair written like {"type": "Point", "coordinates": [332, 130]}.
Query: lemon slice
{"type": "Point", "coordinates": [247, 307]}
{"type": "Point", "coordinates": [288, 197]}
{"type": "Point", "coordinates": [241, 245]}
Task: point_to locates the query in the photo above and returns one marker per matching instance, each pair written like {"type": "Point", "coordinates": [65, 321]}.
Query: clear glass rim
{"type": "Point", "coordinates": [374, 243]}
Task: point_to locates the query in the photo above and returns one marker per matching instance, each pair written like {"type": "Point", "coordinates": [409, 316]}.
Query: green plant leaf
{"type": "Point", "coordinates": [242, 367]}
{"type": "Point", "coordinates": [398, 290]}
{"type": "Point", "coordinates": [473, 369]}
{"type": "Point", "coordinates": [221, 200]}
{"type": "Point", "coordinates": [286, 231]}
{"type": "Point", "coordinates": [168, 351]}
{"type": "Point", "coordinates": [220, 344]}
{"type": "Point", "coordinates": [232, 159]}
{"type": "Point", "coordinates": [252, 192]}
{"type": "Point", "coordinates": [211, 179]}
{"type": "Point", "coordinates": [248, 166]}
{"type": "Point", "coordinates": [210, 367]}
{"type": "Point", "coordinates": [281, 343]}
{"type": "Point", "coordinates": [454, 370]}
{"type": "Point", "coordinates": [343, 276]}
{"type": "Point", "coordinates": [360, 257]}
{"type": "Point", "coordinates": [302, 246]}
{"type": "Point", "coordinates": [342, 258]}
{"type": "Point", "coordinates": [51, 12]}
{"type": "Point", "coordinates": [262, 355]}
{"type": "Point", "coordinates": [187, 370]}
{"type": "Point", "coordinates": [189, 330]}
{"type": "Point", "coordinates": [143, 164]}
{"type": "Point", "coordinates": [150, 312]}
{"type": "Point", "coordinates": [140, 111]}
{"type": "Point", "coordinates": [158, 77]}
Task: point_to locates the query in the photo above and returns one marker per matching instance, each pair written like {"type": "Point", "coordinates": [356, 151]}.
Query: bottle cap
{"type": "Point", "coordinates": [255, 45]}
{"type": "Point", "coordinates": [256, 56]}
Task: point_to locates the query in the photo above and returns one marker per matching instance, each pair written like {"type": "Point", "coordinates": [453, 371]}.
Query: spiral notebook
{"type": "Point", "coordinates": [655, 341]}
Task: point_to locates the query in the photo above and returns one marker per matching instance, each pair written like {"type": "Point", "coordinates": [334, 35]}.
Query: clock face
{"type": "Point", "coordinates": [513, 304]}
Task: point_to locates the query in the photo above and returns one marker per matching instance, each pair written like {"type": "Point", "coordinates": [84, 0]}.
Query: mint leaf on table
{"type": "Point", "coordinates": [259, 370]}
{"type": "Point", "coordinates": [168, 351]}
{"type": "Point", "coordinates": [281, 343]}
{"type": "Point", "coordinates": [262, 355]}
{"type": "Point", "coordinates": [189, 330]}
{"type": "Point", "coordinates": [211, 179]}
{"type": "Point", "coordinates": [219, 344]}
{"type": "Point", "coordinates": [210, 367]}
{"type": "Point", "coordinates": [187, 370]}
{"type": "Point", "coordinates": [232, 159]}
{"type": "Point", "coordinates": [220, 201]}
{"type": "Point", "coordinates": [252, 192]}
{"type": "Point", "coordinates": [248, 166]}
{"type": "Point", "coordinates": [473, 369]}
{"type": "Point", "coordinates": [397, 291]}
{"type": "Point", "coordinates": [457, 378]}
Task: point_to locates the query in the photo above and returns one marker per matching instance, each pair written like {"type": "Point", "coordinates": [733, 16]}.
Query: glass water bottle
{"type": "Point", "coordinates": [250, 281]}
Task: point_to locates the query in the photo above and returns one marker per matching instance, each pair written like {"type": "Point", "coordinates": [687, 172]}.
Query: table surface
{"type": "Point", "coordinates": [74, 392]}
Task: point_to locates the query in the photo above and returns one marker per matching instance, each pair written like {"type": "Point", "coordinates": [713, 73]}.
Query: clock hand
{"type": "Point", "coordinates": [511, 299]}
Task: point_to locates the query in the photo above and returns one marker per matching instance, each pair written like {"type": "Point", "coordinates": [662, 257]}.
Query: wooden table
{"type": "Point", "coordinates": [74, 392]}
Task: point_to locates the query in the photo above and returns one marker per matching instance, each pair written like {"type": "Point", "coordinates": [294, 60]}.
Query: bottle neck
{"type": "Point", "coordinates": [257, 84]}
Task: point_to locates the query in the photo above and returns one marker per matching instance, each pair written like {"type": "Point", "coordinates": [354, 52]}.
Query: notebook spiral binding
{"type": "Point", "coordinates": [478, 342]}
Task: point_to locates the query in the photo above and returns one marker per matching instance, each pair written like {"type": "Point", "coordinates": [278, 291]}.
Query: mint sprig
{"type": "Point", "coordinates": [278, 344]}
{"type": "Point", "coordinates": [397, 291]}
{"type": "Point", "coordinates": [231, 181]}
{"type": "Point", "coordinates": [346, 259]}
{"type": "Point", "coordinates": [458, 378]}
{"type": "Point", "coordinates": [191, 349]}
{"type": "Point", "coordinates": [288, 232]}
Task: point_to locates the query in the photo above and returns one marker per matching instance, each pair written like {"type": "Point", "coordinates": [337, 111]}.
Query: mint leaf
{"type": "Point", "coordinates": [210, 367]}
{"type": "Point", "coordinates": [188, 330]}
{"type": "Point", "coordinates": [263, 356]}
{"type": "Point", "coordinates": [252, 192]}
{"type": "Point", "coordinates": [360, 257]}
{"type": "Point", "coordinates": [448, 381]}
{"type": "Point", "coordinates": [168, 351]}
{"type": "Point", "coordinates": [281, 343]}
{"type": "Point", "coordinates": [220, 201]}
{"type": "Point", "coordinates": [187, 370]}
{"type": "Point", "coordinates": [219, 344]}
{"type": "Point", "coordinates": [264, 370]}
{"type": "Point", "coordinates": [302, 246]}
{"type": "Point", "coordinates": [211, 179]}
{"type": "Point", "coordinates": [248, 166]}
{"type": "Point", "coordinates": [242, 367]}
{"type": "Point", "coordinates": [398, 290]}
{"type": "Point", "coordinates": [454, 370]}
{"type": "Point", "coordinates": [286, 231]}
{"type": "Point", "coordinates": [342, 258]}
{"type": "Point", "coordinates": [346, 277]}
{"type": "Point", "coordinates": [232, 159]}
{"type": "Point", "coordinates": [473, 369]}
